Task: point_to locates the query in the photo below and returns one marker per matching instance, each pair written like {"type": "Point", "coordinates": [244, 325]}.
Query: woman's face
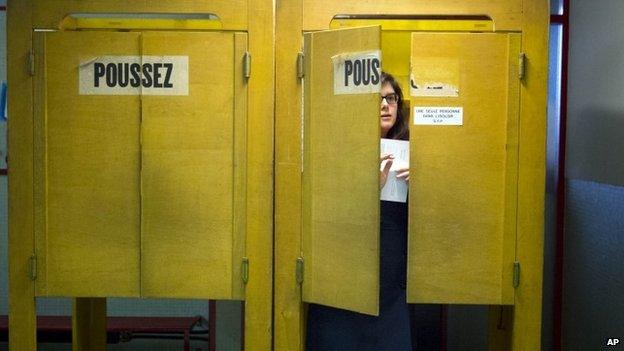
{"type": "Point", "coordinates": [388, 111]}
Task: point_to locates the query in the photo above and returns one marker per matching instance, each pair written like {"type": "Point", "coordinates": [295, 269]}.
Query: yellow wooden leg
{"type": "Point", "coordinates": [530, 235]}
{"type": "Point", "coordinates": [288, 308]}
{"type": "Point", "coordinates": [259, 245]}
{"type": "Point", "coordinates": [89, 324]}
{"type": "Point", "coordinates": [22, 305]}
{"type": "Point", "coordinates": [22, 315]}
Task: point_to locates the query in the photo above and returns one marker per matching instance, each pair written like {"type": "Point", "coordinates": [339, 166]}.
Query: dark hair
{"type": "Point", "coordinates": [400, 129]}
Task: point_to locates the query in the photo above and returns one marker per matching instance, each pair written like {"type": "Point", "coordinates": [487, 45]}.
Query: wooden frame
{"type": "Point", "coordinates": [281, 28]}
{"type": "Point", "coordinates": [256, 17]}
{"type": "Point", "coordinates": [520, 328]}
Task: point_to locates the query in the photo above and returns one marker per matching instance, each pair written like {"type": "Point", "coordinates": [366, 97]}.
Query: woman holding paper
{"type": "Point", "coordinates": [334, 329]}
{"type": "Point", "coordinates": [394, 125]}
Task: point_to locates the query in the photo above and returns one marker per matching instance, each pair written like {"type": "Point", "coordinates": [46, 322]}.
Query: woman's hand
{"type": "Point", "coordinates": [383, 177]}
{"type": "Point", "coordinates": [403, 173]}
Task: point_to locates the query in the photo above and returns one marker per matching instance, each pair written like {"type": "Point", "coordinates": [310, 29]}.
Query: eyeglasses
{"type": "Point", "coordinates": [391, 99]}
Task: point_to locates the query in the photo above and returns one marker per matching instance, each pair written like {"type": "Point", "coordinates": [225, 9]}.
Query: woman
{"type": "Point", "coordinates": [334, 329]}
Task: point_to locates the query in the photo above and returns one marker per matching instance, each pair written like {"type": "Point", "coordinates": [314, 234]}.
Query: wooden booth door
{"type": "Point", "coordinates": [140, 163]}
{"type": "Point", "coordinates": [193, 169]}
{"type": "Point", "coordinates": [87, 165]}
{"type": "Point", "coordinates": [464, 90]}
{"type": "Point", "coordinates": [340, 244]}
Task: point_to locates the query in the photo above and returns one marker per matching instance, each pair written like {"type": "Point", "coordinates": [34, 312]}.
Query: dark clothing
{"type": "Point", "coordinates": [331, 329]}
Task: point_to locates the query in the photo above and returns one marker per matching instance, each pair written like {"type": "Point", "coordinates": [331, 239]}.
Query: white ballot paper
{"type": "Point", "coordinates": [395, 189]}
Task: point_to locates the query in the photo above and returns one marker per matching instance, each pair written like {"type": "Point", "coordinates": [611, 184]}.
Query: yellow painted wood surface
{"type": "Point", "coordinates": [188, 173]}
{"type": "Point", "coordinates": [462, 181]}
{"type": "Point", "coordinates": [511, 173]}
{"type": "Point", "coordinates": [288, 322]}
{"type": "Point", "coordinates": [256, 170]}
{"type": "Point", "coordinates": [531, 176]}
{"type": "Point", "coordinates": [89, 324]}
{"type": "Point", "coordinates": [239, 195]}
{"type": "Point", "coordinates": [260, 137]}
{"type": "Point", "coordinates": [170, 161]}
{"type": "Point", "coordinates": [88, 238]}
{"type": "Point", "coordinates": [22, 306]}
{"type": "Point", "coordinates": [340, 179]}
{"type": "Point", "coordinates": [39, 161]}
{"type": "Point", "coordinates": [258, 316]}
{"type": "Point", "coordinates": [396, 39]}
{"type": "Point", "coordinates": [50, 13]}
{"type": "Point", "coordinates": [506, 14]}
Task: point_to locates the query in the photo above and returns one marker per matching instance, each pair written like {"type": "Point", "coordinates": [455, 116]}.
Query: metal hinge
{"type": "Point", "coordinates": [31, 62]}
{"type": "Point", "coordinates": [247, 65]}
{"type": "Point", "coordinates": [521, 65]}
{"type": "Point", "coordinates": [245, 270]}
{"type": "Point", "coordinates": [299, 270]}
{"type": "Point", "coordinates": [300, 71]}
{"type": "Point", "coordinates": [32, 267]}
{"type": "Point", "coordinates": [516, 274]}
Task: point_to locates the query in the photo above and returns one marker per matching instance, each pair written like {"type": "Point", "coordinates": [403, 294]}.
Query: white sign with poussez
{"type": "Point", "coordinates": [134, 75]}
{"type": "Point", "coordinates": [357, 72]}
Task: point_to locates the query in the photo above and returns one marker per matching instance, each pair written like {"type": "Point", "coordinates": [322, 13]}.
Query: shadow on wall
{"type": "Point", "coordinates": [596, 146]}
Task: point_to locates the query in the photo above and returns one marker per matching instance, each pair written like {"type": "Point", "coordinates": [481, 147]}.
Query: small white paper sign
{"type": "Point", "coordinates": [395, 189]}
{"type": "Point", "coordinates": [134, 75]}
{"type": "Point", "coordinates": [444, 116]}
{"type": "Point", "coordinates": [357, 72]}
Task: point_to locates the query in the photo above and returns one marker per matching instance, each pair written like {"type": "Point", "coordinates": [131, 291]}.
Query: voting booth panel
{"type": "Point", "coordinates": [193, 168]}
{"type": "Point", "coordinates": [141, 148]}
{"type": "Point", "coordinates": [340, 169]}
{"type": "Point", "coordinates": [141, 152]}
{"type": "Point", "coordinates": [478, 71]}
{"type": "Point", "coordinates": [464, 91]}
{"type": "Point", "coordinates": [87, 171]}
{"type": "Point", "coordinates": [464, 94]}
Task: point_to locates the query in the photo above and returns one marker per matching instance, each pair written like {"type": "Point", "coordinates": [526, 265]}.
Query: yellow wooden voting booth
{"type": "Point", "coordinates": [474, 75]}
{"type": "Point", "coordinates": [141, 144]}
{"type": "Point", "coordinates": [143, 154]}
